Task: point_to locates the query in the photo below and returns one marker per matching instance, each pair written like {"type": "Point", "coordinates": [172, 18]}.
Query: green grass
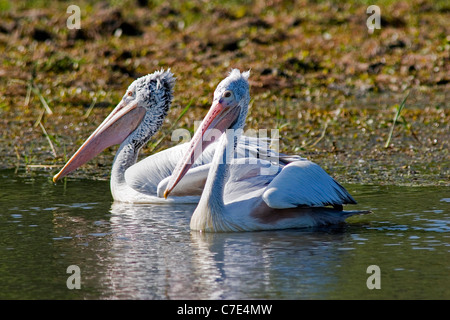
{"type": "Point", "coordinates": [397, 115]}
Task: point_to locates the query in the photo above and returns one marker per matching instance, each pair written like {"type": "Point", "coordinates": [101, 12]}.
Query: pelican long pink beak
{"type": "Point", "coordinates": [218, 119]}
{"type": "Point", "coordinates": [123, 120]}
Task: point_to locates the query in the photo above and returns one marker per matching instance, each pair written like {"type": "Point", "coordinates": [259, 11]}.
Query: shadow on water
{"type": "Point", "coordinates": [148, 252]}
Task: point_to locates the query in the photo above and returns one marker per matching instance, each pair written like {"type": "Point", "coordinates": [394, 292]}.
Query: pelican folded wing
{"type": "Point", "coordinates": [304, 183]}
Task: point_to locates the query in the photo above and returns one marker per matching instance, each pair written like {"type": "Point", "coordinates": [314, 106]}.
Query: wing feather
{"type": "Point", "coordinates": [304, 183]}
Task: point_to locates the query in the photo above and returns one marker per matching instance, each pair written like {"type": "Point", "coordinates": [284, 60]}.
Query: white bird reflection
{"type": "Point", "coordinates": [154, 255]}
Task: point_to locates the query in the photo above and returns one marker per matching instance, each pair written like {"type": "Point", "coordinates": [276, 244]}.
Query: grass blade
{"type": "Point", "coordinates": [48, 139]}
{"type": "Point", "coordinates": [88, 112]}
{"type": "Point", "coordinates": [44, 103]}
{"type": "Point", "coordinates": [397, 115]}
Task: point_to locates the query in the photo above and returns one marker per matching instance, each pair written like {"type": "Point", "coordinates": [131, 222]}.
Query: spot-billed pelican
{"type": "Point", "coordinates": [243, 196]}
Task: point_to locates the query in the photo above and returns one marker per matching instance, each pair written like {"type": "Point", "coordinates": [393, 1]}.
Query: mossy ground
{"type": "Point", "coordinates": [317, 74]}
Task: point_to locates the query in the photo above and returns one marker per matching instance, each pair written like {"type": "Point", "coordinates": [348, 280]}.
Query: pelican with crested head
{"type": "Point", "coordinates": [137, 117]}
{"type": "Point", "coordinates": [237, 196]}
{"type": "Point", "coordinates": [131, 124]}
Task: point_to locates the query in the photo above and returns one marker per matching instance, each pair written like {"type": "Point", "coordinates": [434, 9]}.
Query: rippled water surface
{"type": "Point", "coordinates": [148, 252]}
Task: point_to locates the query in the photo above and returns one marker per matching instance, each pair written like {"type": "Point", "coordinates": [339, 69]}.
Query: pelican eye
{"type": "Point", "coordinates": [130, 93]}
{"type": "Point", "coordinates": [227, 94]}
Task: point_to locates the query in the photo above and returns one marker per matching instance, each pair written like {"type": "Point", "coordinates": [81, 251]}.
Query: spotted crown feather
{"type": "Point", "coordinates": [155, 93]}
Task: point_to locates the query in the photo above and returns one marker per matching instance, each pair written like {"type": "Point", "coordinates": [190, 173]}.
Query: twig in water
{"type": "Point", "coordinates": [43, 166]}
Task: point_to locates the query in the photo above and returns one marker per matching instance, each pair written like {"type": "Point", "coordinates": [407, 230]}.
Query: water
{"type": "Point", "coordinates": [148, 251]}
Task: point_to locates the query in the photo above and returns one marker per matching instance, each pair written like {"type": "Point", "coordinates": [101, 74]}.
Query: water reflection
{"type": "Point", "coordinates": [148, 251]}
{"type": "Point", "coordinates": [279, 264]}
{"type": "Point", "coordinates": [164, 259]}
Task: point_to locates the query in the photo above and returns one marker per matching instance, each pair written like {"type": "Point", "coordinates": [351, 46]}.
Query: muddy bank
{"type": "Point", "coordinates": [329, 86]}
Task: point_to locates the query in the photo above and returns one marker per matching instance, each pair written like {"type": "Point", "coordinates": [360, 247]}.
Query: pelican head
{"type": "Point", "coordinates": [228, 111]}
{"type": "Point", "coordinates": [232, 95]}
{"type": "Point", "coordinates": [139, 114]}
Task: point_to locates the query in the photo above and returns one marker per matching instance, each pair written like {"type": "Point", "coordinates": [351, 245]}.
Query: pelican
{"type": "Point", "coordinates": [237, 197]}
{"type": "Point", "coordinates": [137, 117]}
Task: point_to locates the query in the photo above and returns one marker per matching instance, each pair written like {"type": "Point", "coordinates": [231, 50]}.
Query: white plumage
{"type": "Point", "coordinates": [137, 117]}
{"type": "Point", "coordinates": [243, 196]}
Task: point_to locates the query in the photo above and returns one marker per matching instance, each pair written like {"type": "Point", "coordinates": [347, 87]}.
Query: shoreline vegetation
{"type": "Point", "coordinates": [369, 107]}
